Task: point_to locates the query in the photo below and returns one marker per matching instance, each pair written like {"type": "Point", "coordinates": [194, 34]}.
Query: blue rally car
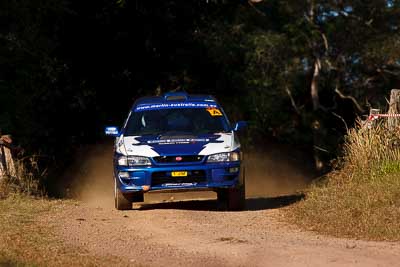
{"type": "Point", "coordinates": [178, 142]}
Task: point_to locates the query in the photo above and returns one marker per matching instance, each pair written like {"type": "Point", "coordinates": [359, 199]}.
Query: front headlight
{"type": "Point", "coordinates": [224, 157]}
{"type": "Point", "coordinates": [133, 161]}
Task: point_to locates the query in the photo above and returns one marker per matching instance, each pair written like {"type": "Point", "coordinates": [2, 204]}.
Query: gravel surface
{"type": "Point", "coordinates": [169, 229]}
{"type": "Point", "coordinates": [191, 233]}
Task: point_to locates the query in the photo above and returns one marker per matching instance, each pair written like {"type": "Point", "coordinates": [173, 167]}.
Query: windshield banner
{"type": "Point", "coordinates": [173, 105]}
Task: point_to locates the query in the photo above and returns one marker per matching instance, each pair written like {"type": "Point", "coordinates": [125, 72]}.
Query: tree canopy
{"type": "Point", "coordinates": [299, 71]}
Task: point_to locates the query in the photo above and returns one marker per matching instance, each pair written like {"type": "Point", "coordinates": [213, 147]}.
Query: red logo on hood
{"type": "Point", "coordinates": [178, 158]}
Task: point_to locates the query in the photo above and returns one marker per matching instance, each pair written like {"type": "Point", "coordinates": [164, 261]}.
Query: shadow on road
{"type": "Point", "coordinates": [272, 202]}
{"type": "Point", "coordinates": [252, 204]}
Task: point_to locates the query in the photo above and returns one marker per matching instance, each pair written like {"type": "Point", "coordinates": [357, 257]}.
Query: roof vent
{"type": "Point", "coordinates": [175, 96]}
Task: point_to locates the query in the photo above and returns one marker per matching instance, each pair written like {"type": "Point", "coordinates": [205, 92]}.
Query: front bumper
{"type": "Point", "coordinates": [199, 177]}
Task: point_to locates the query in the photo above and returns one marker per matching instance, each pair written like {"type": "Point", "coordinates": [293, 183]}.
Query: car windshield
{"type": "Point", "coordinates": [176, 121]}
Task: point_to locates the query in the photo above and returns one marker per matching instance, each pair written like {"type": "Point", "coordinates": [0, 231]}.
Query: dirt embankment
{"type": "Point", "coordinates": [169, 229]}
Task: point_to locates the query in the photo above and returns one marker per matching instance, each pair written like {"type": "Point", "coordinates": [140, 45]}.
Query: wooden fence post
{"type": "Point", "coordinates": [394, 108]}
{"type": "Point", "coordinates": [3, 163]}
{"type": "Point", "coordinates": [7, 167]}
{"type": "Point", "coordinates": [372, 111]}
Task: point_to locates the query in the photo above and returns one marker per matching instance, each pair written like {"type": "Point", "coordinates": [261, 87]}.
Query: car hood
{"type": "Point", "coordinates": [153, 146]}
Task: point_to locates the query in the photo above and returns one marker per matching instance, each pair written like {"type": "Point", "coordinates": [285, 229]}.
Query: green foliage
{"type": "Point", "coordinates": [389, 167]}
{"type": "Point", "coordinates": [273, 46]}
{"type": "Point", "coordinates": [69, 67]}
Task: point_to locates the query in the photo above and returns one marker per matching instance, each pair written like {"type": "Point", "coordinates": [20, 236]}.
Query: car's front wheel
{"type": "Point", "coordinates": [122, 202]}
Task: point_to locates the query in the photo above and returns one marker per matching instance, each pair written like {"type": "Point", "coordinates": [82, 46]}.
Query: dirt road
{"type": "Point", "coordinates": [172, 230]}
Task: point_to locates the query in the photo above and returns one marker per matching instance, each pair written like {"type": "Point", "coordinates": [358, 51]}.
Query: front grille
{"type": "Point", "coordinates": [159, 178]}
{"type": "Point", "coordinates": [177, 159]}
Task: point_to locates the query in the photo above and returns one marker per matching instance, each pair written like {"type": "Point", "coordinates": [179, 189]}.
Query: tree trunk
{"type": "Point", "coordinates": [314, 84]}
{"type": "Point", "coordinates": [394, 108]}
{"type": "Point", "coordinates": [316, 124]}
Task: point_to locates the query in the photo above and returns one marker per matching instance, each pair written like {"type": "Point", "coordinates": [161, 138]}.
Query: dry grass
{"type": "Point", "coordinates": [25, 240]}
{"type": "Point", "coordinates": [26, 181]}
{"type": "Point", "coordinates": [362, 198]}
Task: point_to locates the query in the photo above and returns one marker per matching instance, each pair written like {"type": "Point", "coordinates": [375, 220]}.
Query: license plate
{"type": "Point", "coordinates": [179, 174]}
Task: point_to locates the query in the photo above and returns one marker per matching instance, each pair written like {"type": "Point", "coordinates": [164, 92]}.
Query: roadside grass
{"type": "Point", "coordinates": [361, 199]}
{"type": "Point", "coordinates": [26, 180]}
{"type": "Point", "coordinates": [26, 241]}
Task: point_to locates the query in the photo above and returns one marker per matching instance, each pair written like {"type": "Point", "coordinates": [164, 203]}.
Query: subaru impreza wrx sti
{"type": "Point", "coordinates": [178, 142]}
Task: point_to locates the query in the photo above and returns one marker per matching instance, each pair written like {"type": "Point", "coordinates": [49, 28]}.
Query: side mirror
{"type": "Point", "coordinates": [240, 125]}
{"type": "Point", "coordinates": [112, 131]}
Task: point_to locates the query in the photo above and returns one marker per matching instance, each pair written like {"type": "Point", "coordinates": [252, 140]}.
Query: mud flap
{"type": "Point", "coordinates": [232, 199]}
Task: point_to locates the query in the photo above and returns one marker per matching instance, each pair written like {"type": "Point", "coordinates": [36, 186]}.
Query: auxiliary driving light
{"type": "Point", "coordinates": [234, 170]}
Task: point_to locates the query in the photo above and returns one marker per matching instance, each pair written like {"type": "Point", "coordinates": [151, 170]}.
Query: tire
{"type": "Point", "coordinates": [122, 202]}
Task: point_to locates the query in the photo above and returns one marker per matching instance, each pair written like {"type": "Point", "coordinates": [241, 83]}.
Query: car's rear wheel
{"type": "Point", "coordinates": [122, 202]}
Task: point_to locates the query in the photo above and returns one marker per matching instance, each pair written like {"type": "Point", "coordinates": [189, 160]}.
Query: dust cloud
{"type": "Point", "coordinates": [92, 176]}
{"type": "Point", "coordinates": [275, 171]}
{"type": "Point", "coordinates": [92, 180]}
